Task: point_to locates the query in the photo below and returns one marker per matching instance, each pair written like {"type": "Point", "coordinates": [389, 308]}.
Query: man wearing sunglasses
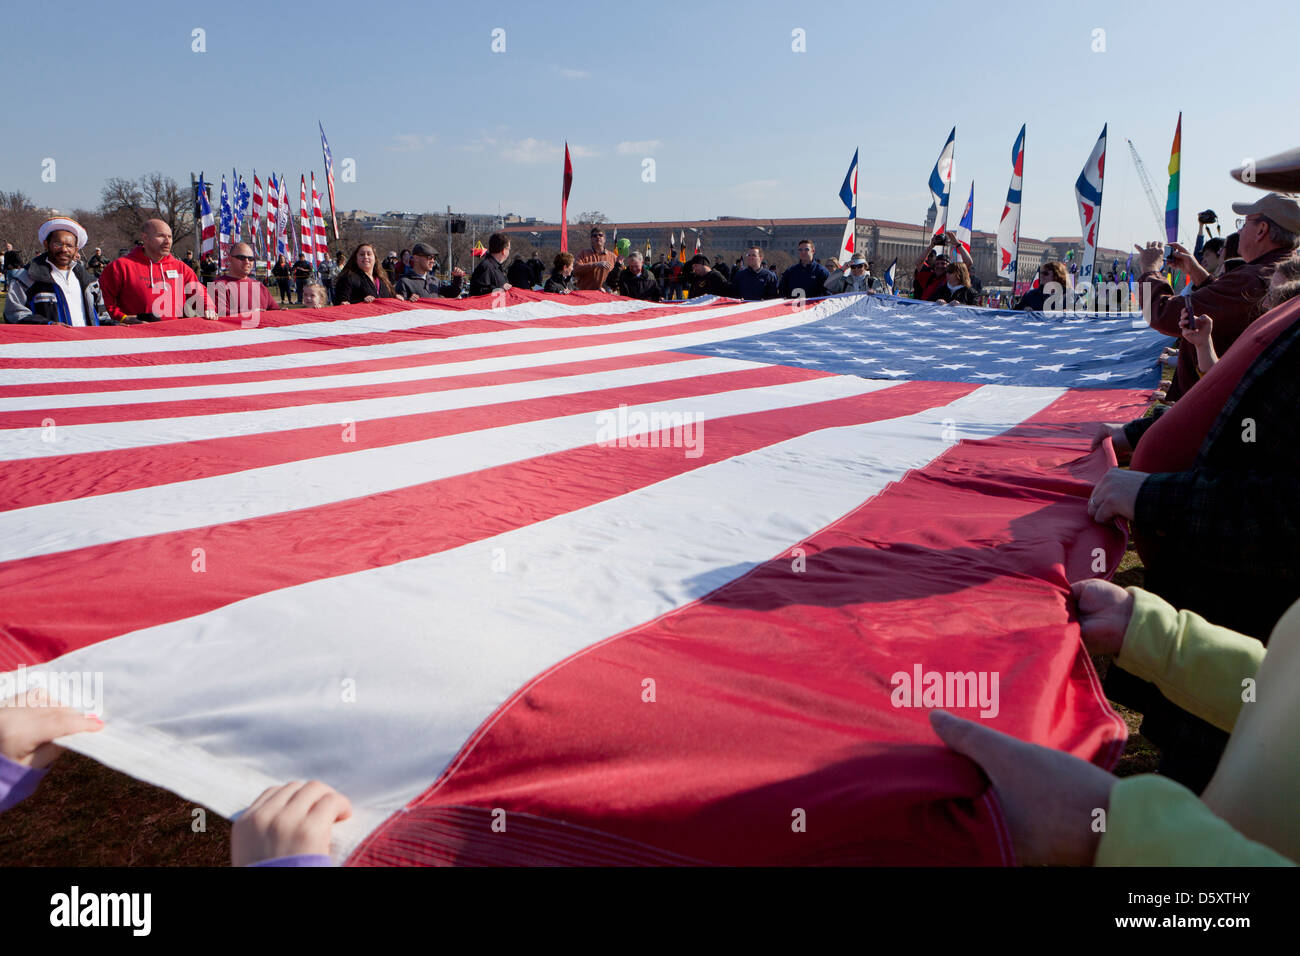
{"type": "Point", "coordinates": [236, 292]}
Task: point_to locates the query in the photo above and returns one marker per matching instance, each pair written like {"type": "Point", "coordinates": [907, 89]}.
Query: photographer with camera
{"type": "Point", "coordinates": [1268, 233]}
{"type": "Point", "coordinates": [930, 277]}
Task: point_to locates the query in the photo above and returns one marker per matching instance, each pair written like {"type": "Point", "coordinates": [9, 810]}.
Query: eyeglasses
{"type": "Point", "coordinates": [244, 258]}
{"type": "Point", "coordinates": [858, 265]}
{"type": "Point", "coordinates": [1242, 222]}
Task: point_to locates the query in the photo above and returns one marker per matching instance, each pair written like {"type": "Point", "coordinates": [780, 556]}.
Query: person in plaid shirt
{"type": "Point", "coordinates": [1213, 495]}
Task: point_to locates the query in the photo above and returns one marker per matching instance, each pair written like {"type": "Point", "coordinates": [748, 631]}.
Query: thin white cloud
{"type": "Point", "coordinates": [628, 148]}
{"type": "Point", "coordinates": [573, 74]}
{"type": "Point", "coordinates": [409, 142]}
{"type": "Point", "coordinates": [532, 151]}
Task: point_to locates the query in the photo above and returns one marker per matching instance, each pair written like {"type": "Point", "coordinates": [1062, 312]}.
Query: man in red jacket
{"type": "Point", "coordinates": [149, 283]}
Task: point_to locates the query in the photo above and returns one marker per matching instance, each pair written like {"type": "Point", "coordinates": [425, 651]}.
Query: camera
{"type": "Point", "coordinates": [1207, 218]}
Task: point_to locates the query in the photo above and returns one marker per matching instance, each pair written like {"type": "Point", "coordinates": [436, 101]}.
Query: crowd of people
{"type": "Point", "coordinates": [1211, 492]}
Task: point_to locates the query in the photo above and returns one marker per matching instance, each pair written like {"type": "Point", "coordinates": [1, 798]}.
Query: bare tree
{"type": "Point", "coordinates": [595, 217]}
{"type": "Point", "coordinates": [19, 220]}
{"type": "Point", "coordinates": [128, 203]}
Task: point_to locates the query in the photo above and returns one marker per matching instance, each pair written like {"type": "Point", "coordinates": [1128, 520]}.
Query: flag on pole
{"type": "Point", "coordinates": [227, 222]}
{"type": "Point", "coordinates": [306, 241]}
{"type": "Point", "coordinates": [647, 249]}
{"type": "Point", "coordinates": [329, 177]}
{"type": "Point", "coordinates": [564, 200]}
{"type": "Point", "coordinates": [1175, 166]}
{"type": "Point", "coordinates": [240, 205]}
{"type": "Point", "coordinates": [318, 225]}
{"type": "Point", "coordinates": [891, 277]}
{"type": "Point", "coordinates": [283, 230]}
{"type": "Point", "coordinates": [849, 196]}
{"type": "Point", "coordinates": [967, 223]}
{"type": "Point", "coordinates": [272, 219]}
{"type": "Point", "coordinates": [941, 184]}
{"type": "Point", "coordinates": [207, 228]}
{"type": "Point", "coordinates": [1009, 226]}
{"type": "Point", "coordinates": [254, 223]}
{"type": "Point", "coordinates": [681, 248]}
{"type": "Point", "coordinates": [1087, 191]}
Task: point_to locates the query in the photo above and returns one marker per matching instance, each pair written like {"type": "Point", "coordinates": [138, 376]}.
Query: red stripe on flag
{"type": "Point", "coordinates": [34, 481]}
{"type": "Point", "coordinates": [773, 693]}
{"type": "Point", "coordinates": [245, 558]}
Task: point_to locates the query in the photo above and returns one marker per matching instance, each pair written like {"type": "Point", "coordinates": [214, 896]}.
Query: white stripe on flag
{"type": "Point", "coordinates": [310, 483]}
{"type": "Point", "coordinates": [23, 443]}
{"type": "Point", "coordinates": [554, 356]}
{"type": "Point", "coordinates": [445, 640]}
{"type": "Point", "coordinates": [392, 322]}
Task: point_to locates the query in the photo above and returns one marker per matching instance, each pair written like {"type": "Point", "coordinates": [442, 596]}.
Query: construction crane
{"type": "Point", "coordinates": [1146, 187]}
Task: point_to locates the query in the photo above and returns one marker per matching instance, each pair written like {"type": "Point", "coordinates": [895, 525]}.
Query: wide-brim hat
{"type": "Point", "coordinates": [1280, 173]}
{"type": "Point", "coordinates": [66, 225]}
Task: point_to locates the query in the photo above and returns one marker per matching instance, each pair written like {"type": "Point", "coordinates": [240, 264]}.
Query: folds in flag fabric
{"type": "Point", "coordinates": [967, 223]}
{"type": "Point", "coordinates": [272, 220]}
{"type": "Point", "coordinates": [1087, 191]}
{"type": "Point", "coordinates": [849, 196]}
{"type": "Point", "coordinates": [645, 576]}
{"type": "Point", "coordinates": [891, 277]}
{"type": "Point", "coordinates": [329, 177]}
{"type": "Point", "coordinates": [254, 222]}
{"type": "Point", "coordinates": [564, 200]}
{"type": "Point", "coordinates": [306, 234]}
{"type": "Point", "coordinates": [941, 184]}
{"type": "Point", "coordinates": [207, 227]}
{"type": "Point", "coordinates": [1175, 167]}
{"type": "Point", "coordinates": [321, 241]}
{"type": "Point", "coordinates": [227, 225]}
{"type": "Point", "coordinates": [1009, 225]}
{"type": "Point", "coordinates": [283, 229]}
{"type": "Point", "coordinates": [240, 205]}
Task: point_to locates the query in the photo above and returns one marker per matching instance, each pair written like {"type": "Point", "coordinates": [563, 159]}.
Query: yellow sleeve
{"type": "Point", "coordinates": [1153, 821]}
{"type": "Point", "coordinates": [1199, 666]}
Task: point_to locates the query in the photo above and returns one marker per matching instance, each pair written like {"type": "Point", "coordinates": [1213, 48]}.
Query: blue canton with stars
{"type": "Point", "coordinates": [884, 337]}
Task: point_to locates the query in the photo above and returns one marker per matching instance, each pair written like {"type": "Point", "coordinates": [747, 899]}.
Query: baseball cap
{"type": "Point", "coordinates": [1283, 210]}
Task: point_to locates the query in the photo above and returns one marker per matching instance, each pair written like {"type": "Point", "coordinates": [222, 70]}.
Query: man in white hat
{"type": "Point", "coordinates": [55, 288]}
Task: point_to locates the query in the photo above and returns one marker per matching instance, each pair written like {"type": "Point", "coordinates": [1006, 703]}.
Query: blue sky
{"type": "Point", "coordinates": [737, 122]}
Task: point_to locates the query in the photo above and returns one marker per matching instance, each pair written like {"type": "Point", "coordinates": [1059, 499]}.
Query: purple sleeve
{"type": "Point", "coordinates": [16, 782]}
{"type": "Point", "coordinates": [302, 859]}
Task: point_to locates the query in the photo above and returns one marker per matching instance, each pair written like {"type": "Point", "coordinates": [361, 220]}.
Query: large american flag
{"type": "Point", "coordinates": [633, 580]}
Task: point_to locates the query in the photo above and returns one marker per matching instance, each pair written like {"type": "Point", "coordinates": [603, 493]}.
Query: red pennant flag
{"type": "Point", "coordinates": [564, 201]}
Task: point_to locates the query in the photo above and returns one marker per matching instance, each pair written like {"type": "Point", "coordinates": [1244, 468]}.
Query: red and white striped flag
{"type": "Point", "coordinates": [306, 241]}
{"type": "Point", "coordinates": [253, 223]}
{"type": "Point", "coordinates": [588, 562]}
{"type": "Point", "coordinates": [272, 220]}
{"type": "Point", "coordinates": [318, 225]}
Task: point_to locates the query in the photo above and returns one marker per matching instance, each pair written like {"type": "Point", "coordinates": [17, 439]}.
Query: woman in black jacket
{"type": "Point", "coordinates": [957, 290]}
{"type": "Point", "coordinates": [561, 281]}
{"type": "Point", "coordinates": [361, 280]}
{"type": "Point", "coordinates": [1035, 300]}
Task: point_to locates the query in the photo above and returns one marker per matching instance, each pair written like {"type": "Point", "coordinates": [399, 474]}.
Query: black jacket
{"type": "Point", "coordinates": [645, 286]}
{"type": "Point", "coordinates": [711, 283]}
{"type": "Point", "coordinates": [34, 298]}
{"type": "Point", "coordinates": [558, 284]}
{"type": "Point", "coordinates": [963, 295]}
{"type": "Point", "coordinates": [351, 287]}
{"type": "Point", "coordinates": [428, 286]}
{"type": "Point", "coordinates": [488, 276]}
{"type": "Point", "coordinates": [520, 274]}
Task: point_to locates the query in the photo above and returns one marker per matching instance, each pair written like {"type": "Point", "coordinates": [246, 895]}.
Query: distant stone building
{"type": "Point", "coordinates": [881, 240]}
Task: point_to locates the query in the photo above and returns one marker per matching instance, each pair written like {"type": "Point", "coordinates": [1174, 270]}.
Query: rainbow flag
{"type": "Point", "coordinates": [1171, 204]}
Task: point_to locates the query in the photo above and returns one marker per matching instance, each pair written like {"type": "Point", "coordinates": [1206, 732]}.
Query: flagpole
{"type": "Point", "coordinates": [198, 220]}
